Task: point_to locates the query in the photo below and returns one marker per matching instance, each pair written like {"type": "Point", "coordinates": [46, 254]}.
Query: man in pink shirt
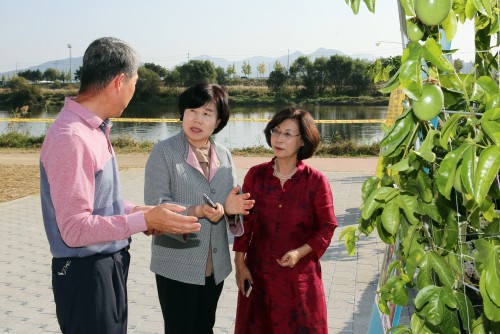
{"type": "Point", "coordinates": [88, 224]}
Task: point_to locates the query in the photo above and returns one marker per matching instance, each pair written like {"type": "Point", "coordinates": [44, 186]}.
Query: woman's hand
{"type": "Point", "coordinates": [212, 214]}
{"type": "Point", "coordinates": [292, 257]}
{"type": "Point", "coordinates": [237, 203]}
{"type": "Point", "coordinates": [242, 272]}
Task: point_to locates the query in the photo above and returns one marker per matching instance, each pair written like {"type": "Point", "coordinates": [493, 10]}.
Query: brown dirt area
{"type": "Point", "coordinates": [20, 175]}
{"type": "Point", "coordinates": [18, 181]}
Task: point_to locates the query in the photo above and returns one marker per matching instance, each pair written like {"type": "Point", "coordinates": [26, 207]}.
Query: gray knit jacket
{"type": "Point", "coordinates": [169, 178]}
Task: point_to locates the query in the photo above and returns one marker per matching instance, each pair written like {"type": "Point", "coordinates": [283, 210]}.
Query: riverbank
{"type": "Point", "coordinates": [19, 169]}
{"type": "Point", "coordinates": [239, 95]}
{"type": "Point", "coordinates": [333, 147]}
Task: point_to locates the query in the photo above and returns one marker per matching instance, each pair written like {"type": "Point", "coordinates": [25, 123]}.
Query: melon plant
{"type": "Point", "coordinates": [414, 30]}
{"type": "Point", "coordinates": [432, 12]}
{"type": "Point", "coordinates": [430, 103]}
{"type": "Point", "coordinates": [435, 193]}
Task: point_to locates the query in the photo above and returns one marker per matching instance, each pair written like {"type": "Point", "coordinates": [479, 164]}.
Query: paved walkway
{"type": "Point", "coordinates": [26, 301]}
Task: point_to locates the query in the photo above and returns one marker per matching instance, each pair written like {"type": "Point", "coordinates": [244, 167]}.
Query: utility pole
{"type": "Point", "coordinates": [70, 73]}
{"type": "Point", "coordinates": [288, 61]}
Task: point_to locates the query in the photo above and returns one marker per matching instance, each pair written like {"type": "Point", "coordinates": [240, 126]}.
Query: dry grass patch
{"type": "Point", "coordinates": [18, 181]}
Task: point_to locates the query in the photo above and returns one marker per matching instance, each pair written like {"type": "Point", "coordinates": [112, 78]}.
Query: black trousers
{"type": "Point", "coordinates": [91, 293]}
{"type": "Point", "coordinates": [188, 308]}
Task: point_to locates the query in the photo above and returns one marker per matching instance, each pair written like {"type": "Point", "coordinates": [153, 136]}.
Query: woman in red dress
{"type": "Point", "coordinates": [286, 233]}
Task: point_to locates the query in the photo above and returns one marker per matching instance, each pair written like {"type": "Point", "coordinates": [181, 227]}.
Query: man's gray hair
{"type": "Point", "coordinates": [104, 59]}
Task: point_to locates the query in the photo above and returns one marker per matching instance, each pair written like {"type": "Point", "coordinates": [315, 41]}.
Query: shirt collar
{"type": "Point", "coordinates": [191, 159]}
{"type": "Point", "coordinates": [86, 115]}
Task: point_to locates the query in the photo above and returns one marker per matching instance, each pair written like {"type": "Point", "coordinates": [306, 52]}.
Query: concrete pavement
{"type": "Point", "coordinates": [26, 300]}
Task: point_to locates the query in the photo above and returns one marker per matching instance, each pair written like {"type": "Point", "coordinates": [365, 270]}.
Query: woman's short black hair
{"type": "Point", "coordinates": [202, 93]}
{"type": "Point", "coordinates": [308, 130]}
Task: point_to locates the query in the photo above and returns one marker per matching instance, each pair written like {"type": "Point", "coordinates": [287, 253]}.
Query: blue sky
{"type": "Point", "coordinates": [165, 31]}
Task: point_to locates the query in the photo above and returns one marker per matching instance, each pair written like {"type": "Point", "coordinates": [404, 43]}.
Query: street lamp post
{"type": "Point", "coordinates": [70, 73]}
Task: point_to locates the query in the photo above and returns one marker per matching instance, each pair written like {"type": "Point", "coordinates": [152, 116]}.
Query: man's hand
{"type": "Point", "coordinates": [237, 203]}
{"type": "Point", "coordinates": [151, 232]}
{"type": "Point", "coordinates": [164, 219]}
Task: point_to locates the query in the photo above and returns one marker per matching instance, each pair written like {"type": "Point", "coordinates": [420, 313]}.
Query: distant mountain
{"type": "Point", "coordinates": [60, 64]}
{"type": "Point", "coordinates": [285, 60]}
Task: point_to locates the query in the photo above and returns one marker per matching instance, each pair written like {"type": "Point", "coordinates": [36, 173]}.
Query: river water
{"type": "Point", "coordinates": [236, 134]}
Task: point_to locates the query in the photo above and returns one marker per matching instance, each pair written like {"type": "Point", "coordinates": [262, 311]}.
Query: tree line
{"type": "Point", "coordinates": [335, 76]}
{"type": "Point", "coordinates": [50, 74]}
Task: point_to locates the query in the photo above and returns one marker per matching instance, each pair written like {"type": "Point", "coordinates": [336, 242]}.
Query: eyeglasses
{"type": "Point", "coordinates": [286, 135]}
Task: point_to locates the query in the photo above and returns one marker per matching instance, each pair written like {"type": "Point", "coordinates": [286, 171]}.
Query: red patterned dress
{"type": "Point", "coordinates": [285, 300]}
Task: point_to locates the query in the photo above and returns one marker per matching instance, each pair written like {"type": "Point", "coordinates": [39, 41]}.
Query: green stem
{"type": "Point", "coordinates": [429, 237]}
{"type": "Point", "coordinates": [466, 95]}
{"type": "Point", "coordinates": [411, 140]}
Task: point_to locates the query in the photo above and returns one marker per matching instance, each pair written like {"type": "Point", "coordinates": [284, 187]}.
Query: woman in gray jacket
{"type": "Point", "coordinates": [190, 269]}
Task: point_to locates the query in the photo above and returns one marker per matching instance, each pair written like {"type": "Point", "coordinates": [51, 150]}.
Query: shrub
{"type": "Point", "coordinates": [17, 139]}
{"type": "Point", "coordinates": [347, 148]}
{"type": "Point", "coordinates": [125, 143]}
{"type": "Point", "coordinates": [23, 93]}
{"type": "Point", "coordinates": [256, 151]}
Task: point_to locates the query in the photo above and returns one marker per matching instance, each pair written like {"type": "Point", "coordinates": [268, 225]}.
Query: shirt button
{"type": "Point", "coordinates": [279, 206]}
{"type": "Point", "coordinates": [212, 191]}
{"type": "Point", "coordinates": [215, 250]}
